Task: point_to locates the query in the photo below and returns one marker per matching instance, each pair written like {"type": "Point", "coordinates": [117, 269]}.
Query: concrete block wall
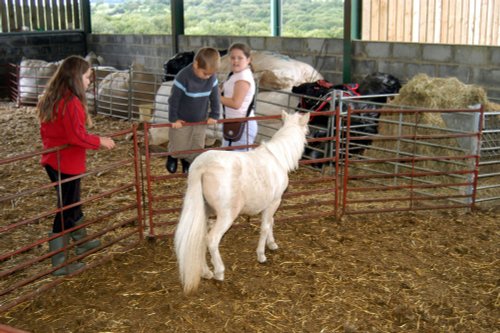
{"type": "Point", "coordinates": [470, 64]}
{"type": "Point", "coordinates": [41, 45]}
{"type": "Point", "coordinates": [121, 51]}
{"type": "Point", "coordinates": [154, 50]}
{"type": "Point", "coordinates": [48, 46]}
{"type": "Point", "coordinates": [323, 54]}
{"type": "Point", "coordinates": [478, 65]}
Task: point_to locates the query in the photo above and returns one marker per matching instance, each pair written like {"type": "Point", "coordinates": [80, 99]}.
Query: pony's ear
{"type": "Point", "coordinates": [284, 115]}
{"type": "Point", "coordinates": [304, 119]}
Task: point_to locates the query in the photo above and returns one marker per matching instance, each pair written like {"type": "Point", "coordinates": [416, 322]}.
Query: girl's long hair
{"type": "Point", "coordinates": [64, 84]}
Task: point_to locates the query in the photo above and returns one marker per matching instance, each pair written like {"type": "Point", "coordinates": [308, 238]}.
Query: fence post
{"type": "Point", "coordinates": [476, 150]}
{"type": "Point", "coordinates": [130, 91]}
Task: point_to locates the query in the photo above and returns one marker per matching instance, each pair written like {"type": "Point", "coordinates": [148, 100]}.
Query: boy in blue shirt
{"type": "Point", "coordinates": [194, 90]}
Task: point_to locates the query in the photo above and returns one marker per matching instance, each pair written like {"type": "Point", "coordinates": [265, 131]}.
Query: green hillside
{"type": "Point", "coordinates": [301, 18]}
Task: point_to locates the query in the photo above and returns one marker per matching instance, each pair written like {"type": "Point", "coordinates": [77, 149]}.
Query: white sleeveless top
{"type": "Point", "coordinates": [228, 86]}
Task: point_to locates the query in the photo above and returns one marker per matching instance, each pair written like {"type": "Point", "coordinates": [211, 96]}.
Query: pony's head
{"type": "Point", "coordinates": [301, 119]}
{"type": "Point", "coordinates": [288, 143]}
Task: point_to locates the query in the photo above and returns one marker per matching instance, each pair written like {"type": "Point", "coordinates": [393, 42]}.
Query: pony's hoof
{"type": "Point", "coordinates": [207, 275]}
{"type": "Point", "coordinates": [219, 276]}
{"type": "Point", "coordinates": [273, 246]}
{"type": "Point", "coordinates": [261, 258]}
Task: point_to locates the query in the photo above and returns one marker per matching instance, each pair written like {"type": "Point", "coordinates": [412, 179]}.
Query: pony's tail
{"type": "Point", "coordinates": [190, 234]}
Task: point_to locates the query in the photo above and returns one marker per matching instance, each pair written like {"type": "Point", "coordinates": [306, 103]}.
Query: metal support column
{"type": "Point", "coordinates": [276, 17]}
{"type": "Point", "coordinates": [87, 24]}
{"type": "Point", "coordinates": [352, 30]}
{"type": "Point", "coordinates": [177, 14]}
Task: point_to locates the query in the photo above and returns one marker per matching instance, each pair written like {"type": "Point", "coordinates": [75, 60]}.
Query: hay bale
{"type": "Point", "coordinates": [433, 93]}
{"type": "Point", "coordinates": [275, 71]}
{"type": "Point", "coordinates": [439, 93]}
{"type": "Point", "coordinates": [436, 93]}
{"type": "Point", "coordinates": [492, 107]}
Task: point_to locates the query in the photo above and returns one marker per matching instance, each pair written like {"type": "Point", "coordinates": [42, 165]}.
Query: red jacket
{"type": "Point", "coordinates": [68, 127]}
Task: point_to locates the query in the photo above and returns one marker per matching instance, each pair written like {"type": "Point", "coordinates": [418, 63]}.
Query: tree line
{"type": "Point", "coordinates": [301, 18]}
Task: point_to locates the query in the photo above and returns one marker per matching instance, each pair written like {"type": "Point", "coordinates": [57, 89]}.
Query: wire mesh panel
{"type": "Point", "coordinates": [488, 187]}
{"type": "Point", "coordinates": [125, 94]}
{"type": "Point", "coordinates": [33, 77]}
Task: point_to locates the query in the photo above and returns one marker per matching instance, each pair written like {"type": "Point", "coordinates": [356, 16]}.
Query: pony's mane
{"type": "Point", "coordinates": [287, 144]}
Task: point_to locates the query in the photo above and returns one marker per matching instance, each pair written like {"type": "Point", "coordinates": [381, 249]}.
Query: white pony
{"type": "Point", "coordinates": [226, 184]}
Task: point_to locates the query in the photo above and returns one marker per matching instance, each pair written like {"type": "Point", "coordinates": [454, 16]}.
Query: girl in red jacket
{"type": "Point", "coordinates": [62, 111]}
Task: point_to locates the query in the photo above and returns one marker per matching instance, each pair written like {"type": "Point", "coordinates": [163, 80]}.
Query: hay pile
{"type": "Point", "coordinates": [442, 93]}
{"type": "Point", "coordinates": [425, 92]}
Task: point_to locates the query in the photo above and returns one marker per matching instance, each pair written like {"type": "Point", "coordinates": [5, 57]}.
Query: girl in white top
{"type": "Point", "coordinates": [239, 91]}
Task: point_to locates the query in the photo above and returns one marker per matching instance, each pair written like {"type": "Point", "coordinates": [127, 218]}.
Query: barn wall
{"type": "Point", "coordinates": [48, 46]}
{"type": "Point", "coordinates": [121, 50]}
{"type": "Point", "coordinates": [154, 50]}
{"type": "Point", "coordinates": [470, 64]}
{"type": "Point", "coordinates": [471, 22]}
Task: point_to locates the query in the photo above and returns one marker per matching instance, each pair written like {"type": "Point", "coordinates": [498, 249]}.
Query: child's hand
{"type": "Point", "coordinates": [178, 124]}
{"type": "Point", "coordinates": [211, 121]}
{"type": "Point", "coordinates": [107, 142]}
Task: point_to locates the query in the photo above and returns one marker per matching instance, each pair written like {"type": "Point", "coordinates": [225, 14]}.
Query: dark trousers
{"type": "Point", "coordinates": [67, 193]}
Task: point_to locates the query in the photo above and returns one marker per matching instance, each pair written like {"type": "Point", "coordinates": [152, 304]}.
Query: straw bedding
{"type": "Point", "coordinates": [429, 272]}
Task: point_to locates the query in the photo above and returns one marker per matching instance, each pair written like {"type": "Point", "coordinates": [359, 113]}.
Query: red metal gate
{"type": "Point", "coordinates": [307, 187]}
{"type": "Point", "coordinates": [409, 164]}
{"type": "Point", "coordinates": [419, 160]}
{"type": "Point", "coordinates": [113, 213]}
